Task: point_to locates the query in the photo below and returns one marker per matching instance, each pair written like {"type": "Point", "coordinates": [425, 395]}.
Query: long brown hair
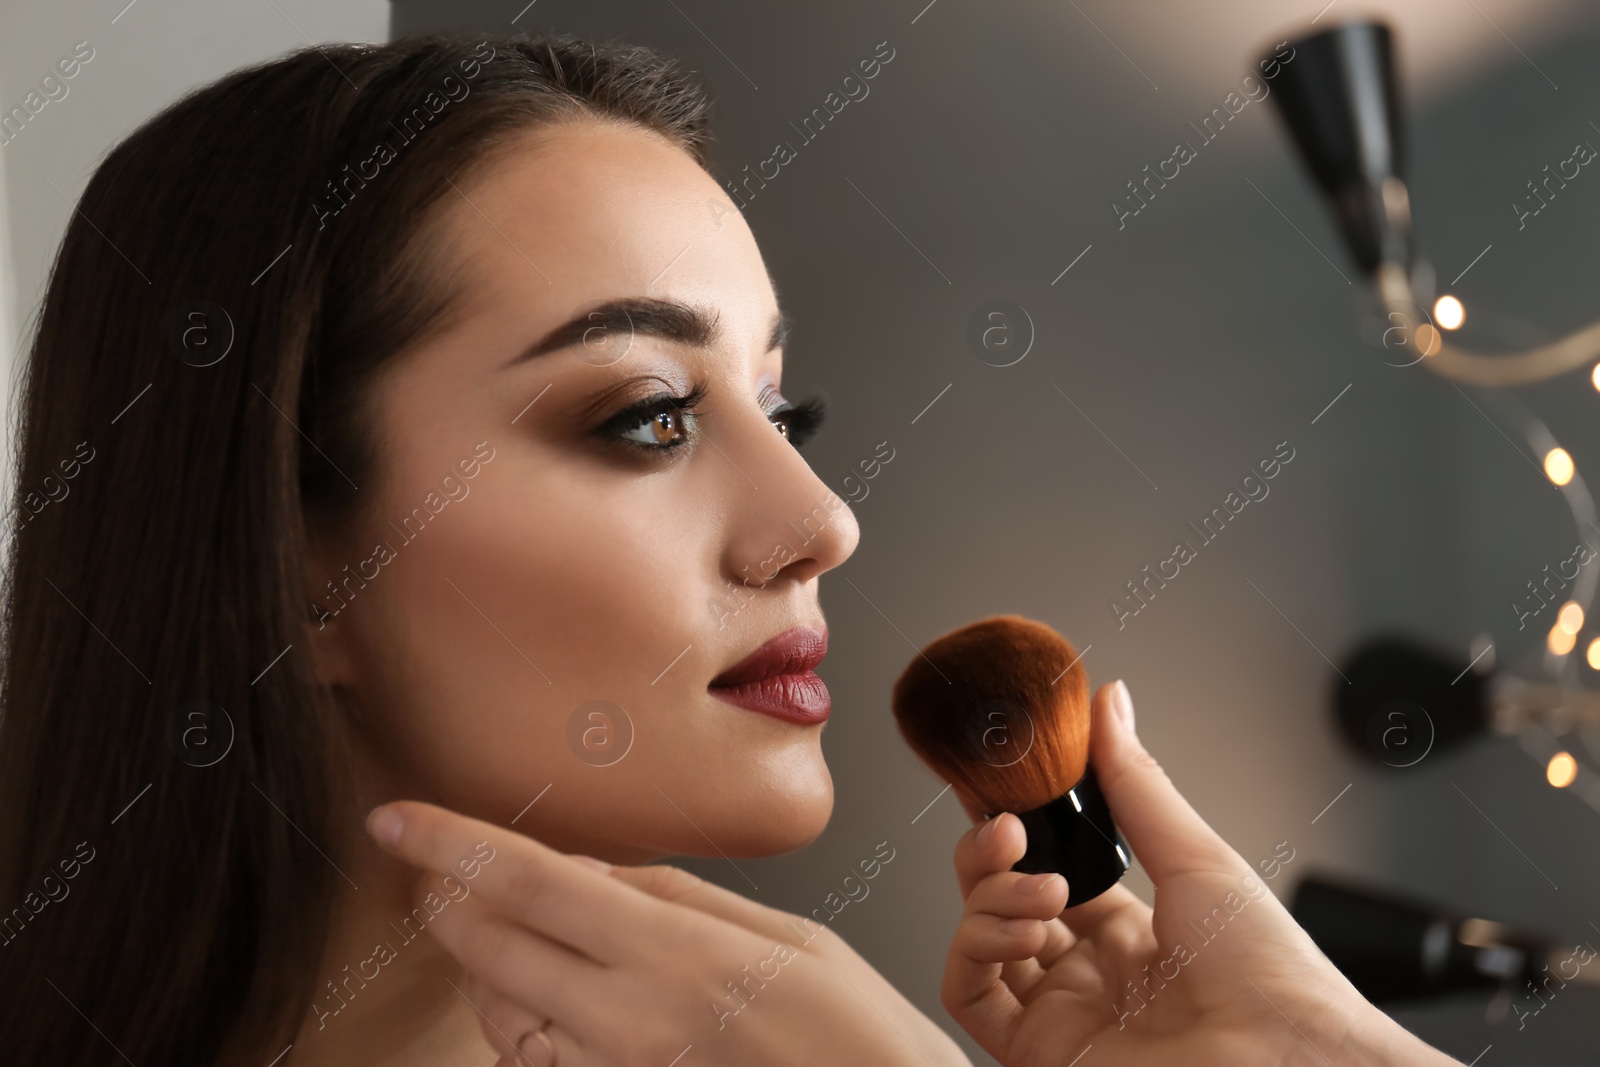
{"type": "Point", "coordinates": [238, 267]}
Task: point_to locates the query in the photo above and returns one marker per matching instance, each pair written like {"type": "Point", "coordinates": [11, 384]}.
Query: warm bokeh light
{"type": "Point", "coordinates": [1448, 312]}
{"type": "Point", "coordinates": [1571, 617]}
{"type": "Point", "coordinates": [1595, 376]}
{"type": "Point", "coordinates": [1558, 466]}
{"type": "Point", "coordinates": [1594, 653]}
{"type": "Point", "coordinates": [1561, 641]}
{"type": "Point", "coordinates": [1428, 340]}
{"type": "Point", "coordinates": [1561, 770]}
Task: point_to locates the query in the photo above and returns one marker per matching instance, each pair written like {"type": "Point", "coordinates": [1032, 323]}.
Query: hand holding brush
{"type": "Point", "coordinates": [1040, 970]}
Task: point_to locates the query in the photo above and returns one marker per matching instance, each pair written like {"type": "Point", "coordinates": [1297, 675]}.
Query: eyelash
{"type": "Point", "coordinates": [803, 419]}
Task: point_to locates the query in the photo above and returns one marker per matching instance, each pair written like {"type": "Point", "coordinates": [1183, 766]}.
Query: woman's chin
{"type": "Point", "coordinates": [774, 823]}
{"type": "Point", "coordinates": [799, 827]}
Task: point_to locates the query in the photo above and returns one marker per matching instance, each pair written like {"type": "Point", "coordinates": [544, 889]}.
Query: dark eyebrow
{"type": "Point", "coordinates": [670, 320]}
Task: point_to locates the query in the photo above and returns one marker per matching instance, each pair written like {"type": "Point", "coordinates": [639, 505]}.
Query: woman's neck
{"type": "Point", "coordinates": [386, 991]}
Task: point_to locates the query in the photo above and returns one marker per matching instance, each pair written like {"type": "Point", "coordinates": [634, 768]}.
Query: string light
{"type": "Point", "coordinates": [1561, 770]}
{"type": "Point", "coordinates": [1558, 466]}
{"type": "Point", "coordinates": [1560, 640]}
{"type": "Point", "coordinates": [1594, 376]}
{"type": "Point", "coordinates": [1428, 340]}
{"type": "Point", "coordinates": [1594, 653]}
{"type": "Point", "coordinates": [1448, 312]}
{"type": "Point", "coordinates": [1571, 617]}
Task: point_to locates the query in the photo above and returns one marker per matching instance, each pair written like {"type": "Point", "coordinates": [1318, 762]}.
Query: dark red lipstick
{"type": "Point", "coordinates": [778, 678]}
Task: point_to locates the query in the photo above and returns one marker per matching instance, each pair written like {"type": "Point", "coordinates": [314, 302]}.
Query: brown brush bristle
{"type": "Point", "coordinates": [1000, 710]}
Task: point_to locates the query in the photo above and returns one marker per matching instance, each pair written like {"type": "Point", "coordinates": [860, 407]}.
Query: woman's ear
{"type": "Point", "coordinates": [328, 638]}
{"type": "Point", "coordinates": [327, 630]}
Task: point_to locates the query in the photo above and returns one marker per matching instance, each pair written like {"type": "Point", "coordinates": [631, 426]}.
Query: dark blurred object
{"type": "Point", "coordinates": [1397, 700]}
{"type": "Point", "coordinates": [1340, 99]}
{"type": "Point", "coordinates": [1395, 948]}
{"type": "Point", "coordinates": [1403, 700]}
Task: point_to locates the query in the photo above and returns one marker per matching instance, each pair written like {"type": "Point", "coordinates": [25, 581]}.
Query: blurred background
{"type": "Point", "coordinates": [1149, 361]}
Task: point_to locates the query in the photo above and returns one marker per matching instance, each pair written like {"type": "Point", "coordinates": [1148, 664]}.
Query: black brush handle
{"type": "Point", "coordinates": [1074, 835]}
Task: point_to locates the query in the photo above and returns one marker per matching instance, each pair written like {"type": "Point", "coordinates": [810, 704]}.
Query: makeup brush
{"type": "Point", "coordinates": [1000, 709]}
{"type": "Point", "coordinates": [1394, 947]}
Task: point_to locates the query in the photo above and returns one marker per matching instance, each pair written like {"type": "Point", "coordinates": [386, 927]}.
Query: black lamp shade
{"type": "Point", "coordinates": [1339, 97]}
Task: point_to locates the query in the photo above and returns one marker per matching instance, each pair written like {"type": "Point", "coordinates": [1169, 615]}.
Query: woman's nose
{"type": "Point", "coordinates": [787, 522]}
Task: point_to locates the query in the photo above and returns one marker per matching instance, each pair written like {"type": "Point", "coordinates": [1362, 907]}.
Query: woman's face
{"type": "Point", "coordinates": [539, 595]}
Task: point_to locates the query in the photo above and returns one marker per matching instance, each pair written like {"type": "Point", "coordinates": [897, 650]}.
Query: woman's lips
{"type": "Point", "coordinates": [797, 698]}
{"type": "Point", "coordinates": [777, 679]}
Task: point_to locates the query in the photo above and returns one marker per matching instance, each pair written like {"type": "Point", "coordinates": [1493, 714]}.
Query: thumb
{"type": "Point", "coordinates": [1167, 835]}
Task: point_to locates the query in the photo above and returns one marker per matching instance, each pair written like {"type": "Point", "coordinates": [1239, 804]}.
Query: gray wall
{"type": "Point", "coordinates": [145, 55]}
{"type": "Point", "coordinates": [1196, 338]}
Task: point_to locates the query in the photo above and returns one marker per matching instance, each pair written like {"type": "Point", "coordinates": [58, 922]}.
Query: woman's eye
{"type": "Point", "coordinates": [666, 423]}
{"type": "Point", "coordinates": [661, 423]}
{"type": "Point", "coordinates": [661, 429]}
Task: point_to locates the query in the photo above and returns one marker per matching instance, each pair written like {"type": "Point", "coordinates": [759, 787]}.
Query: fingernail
{"type": "Point", "coordinates": [1123, 703]}
{"type": "Point", "coordinates": [385, 824]}
{"type": "Point", "coordinates": [589, 861]}
{"type": "Point", "coordinates": [986, 831]}
{"type": "Point", "coordinates": [1035, 883]}
{"type": "Point", "coordinates": [1017, 926]}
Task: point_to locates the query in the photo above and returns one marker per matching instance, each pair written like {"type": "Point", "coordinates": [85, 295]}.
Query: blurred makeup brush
{"type": "Point", "coordinates": [1395, 947]}
{"type": "Point", "coordinates": [1000, 709]}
